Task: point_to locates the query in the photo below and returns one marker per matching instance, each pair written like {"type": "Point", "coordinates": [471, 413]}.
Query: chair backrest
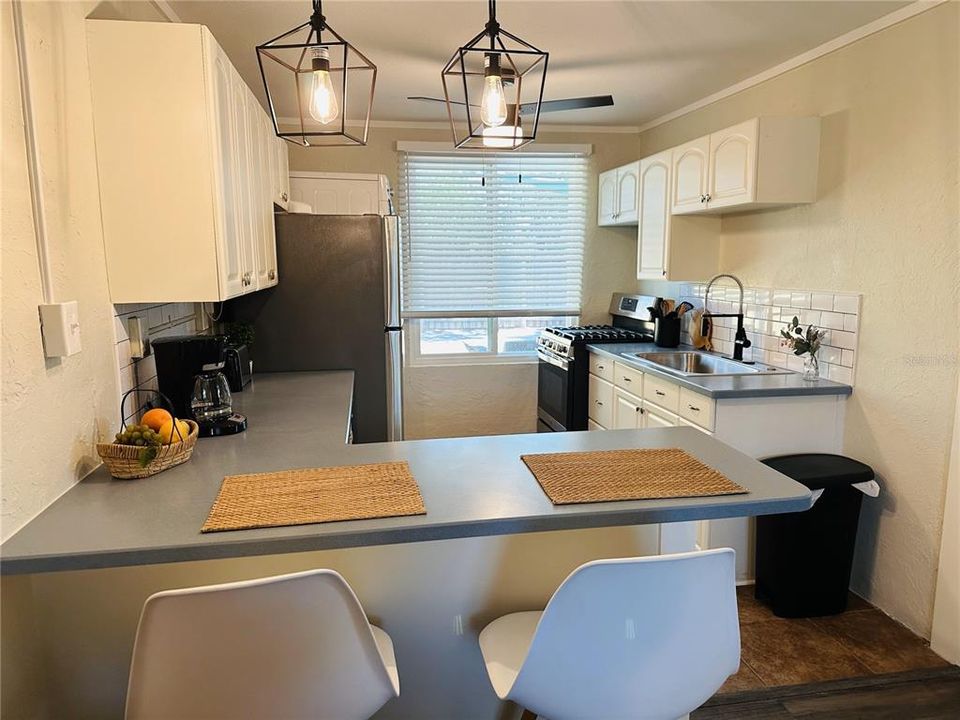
{"type": "Point", "coordinates": [640, 638]}
{"type": "Point", "coordinates": [292, 646]}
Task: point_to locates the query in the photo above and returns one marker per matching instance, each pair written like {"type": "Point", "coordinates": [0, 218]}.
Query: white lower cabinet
{"type": "Point", "coordinates": [600, 407]}
{"type": "Point", "coordinates": [760, 427]}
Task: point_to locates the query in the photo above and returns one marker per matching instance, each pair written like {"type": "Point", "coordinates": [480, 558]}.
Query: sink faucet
{"type": "Point", "coordinates": [740, 339]}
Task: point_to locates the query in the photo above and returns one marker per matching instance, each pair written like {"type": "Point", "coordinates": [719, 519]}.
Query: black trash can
{"type": "Point", "coordinates": [804, 558]}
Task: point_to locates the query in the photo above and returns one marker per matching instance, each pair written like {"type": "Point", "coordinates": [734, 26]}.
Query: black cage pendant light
{"type": "Point", "coordinates": [489, 84]}
{"type": "Point", "coordinates": [319, 87]}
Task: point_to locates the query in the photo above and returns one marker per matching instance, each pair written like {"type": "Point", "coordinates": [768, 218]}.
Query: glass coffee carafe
{"type": "Point", "coordinates": [211, 403]}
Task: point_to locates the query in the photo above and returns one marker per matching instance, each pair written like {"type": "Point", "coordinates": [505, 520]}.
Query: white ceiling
{"type": "Point", "coordinates": [653, 57]}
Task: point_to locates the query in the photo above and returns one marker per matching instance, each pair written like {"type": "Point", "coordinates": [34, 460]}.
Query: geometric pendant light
{"type": "Point", "coordinates": [489, 84]}
{"type": "Point", "coordinates": [316, 83]}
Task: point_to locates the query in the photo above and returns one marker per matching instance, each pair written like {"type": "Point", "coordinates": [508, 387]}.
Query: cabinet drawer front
{"type": "Point", "coordinates": [601, 366]}
{"type": "Point", "coordinates": [629, 379]}
{"type": "Point", "coordinates": [697, 408]}
{"type": "Point", "coordinates": [600, 407]}
{"type": "Point", "coordinates": [661, 392]}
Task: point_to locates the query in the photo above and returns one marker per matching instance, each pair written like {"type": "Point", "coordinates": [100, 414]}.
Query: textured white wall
{"type": "Point", "coordinates": [885, 225]}
{"type": "Point", "coordinates": [54, 411]}
{"type": "Point", "coordinates": [489, 399]}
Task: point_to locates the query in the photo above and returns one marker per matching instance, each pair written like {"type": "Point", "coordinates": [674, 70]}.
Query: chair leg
{"type": "Point", "coordinates": [528, 715]}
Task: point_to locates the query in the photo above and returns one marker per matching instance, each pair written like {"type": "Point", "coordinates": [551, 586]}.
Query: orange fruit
{"type": "Point", "coordinates": [154, 419]}
{"type": "Point", "coordinates": [168, 434]}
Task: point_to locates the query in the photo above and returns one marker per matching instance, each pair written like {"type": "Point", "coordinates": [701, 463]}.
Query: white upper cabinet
{"type": "Point", "coordinates": [340, 193]}
{"type": "Point", "coordinates": [691, 163]}
{"type": "Point", "coordinates": [654, 216]}
{"type": "Point", "coordinates": [671, 247]}
{"type": "Point", "coordinates": [627, 182]}
{"type": "Point", "coordinates": [763, 162]}
{"type": "Point", "coordinates": [186, 194]}
{"type": "Point", "coordinates": [607, 198]}
{"type": "Point", "coordinates": [733, 159]}
{"type": "Point", "coordinates": [617, 201]}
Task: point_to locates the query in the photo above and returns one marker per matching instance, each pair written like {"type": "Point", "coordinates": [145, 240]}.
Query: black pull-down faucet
{"type": "Point", "coordinates": [740, 340]}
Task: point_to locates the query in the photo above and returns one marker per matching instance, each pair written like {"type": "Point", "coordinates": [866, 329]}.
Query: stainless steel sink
{"type": "Point", "coordinates": [692, 362]}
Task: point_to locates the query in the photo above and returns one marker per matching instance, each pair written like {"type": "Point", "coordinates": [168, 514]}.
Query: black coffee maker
{"type": "Point", "coordinates": [180, 359]}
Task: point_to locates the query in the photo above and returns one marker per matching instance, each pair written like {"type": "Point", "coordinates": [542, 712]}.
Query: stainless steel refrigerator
{"type": "Point", "coordinates": [336, 306]}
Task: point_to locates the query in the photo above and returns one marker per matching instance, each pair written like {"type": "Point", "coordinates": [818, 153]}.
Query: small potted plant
{"type": "Point", "coordinates": [806, 344]}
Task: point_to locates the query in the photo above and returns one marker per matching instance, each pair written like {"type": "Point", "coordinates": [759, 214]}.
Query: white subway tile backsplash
{"type": "Point", "coordinates": [842, 339]}
{"type": "Point", "coordinates": [847, 304]}
{"type": "Point", "coordinates": [831, 320]}
{"type": "Point", "coordinates": [821, 301]}
{"type": "Point", "coordinates": [768, 311]}
{"type": "Point", "coordinates": [800, 300]}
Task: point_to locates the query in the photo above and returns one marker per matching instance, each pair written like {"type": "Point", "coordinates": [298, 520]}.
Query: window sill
{"type": "Point", "coordinates": [469, 361]}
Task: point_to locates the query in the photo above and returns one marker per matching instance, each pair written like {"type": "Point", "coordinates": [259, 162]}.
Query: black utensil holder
{"type": "Point", "coordinates": [666, 332]}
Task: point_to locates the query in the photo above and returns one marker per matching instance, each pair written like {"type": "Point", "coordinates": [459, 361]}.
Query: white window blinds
{"type": "Point", "coordinates": [492, 234]}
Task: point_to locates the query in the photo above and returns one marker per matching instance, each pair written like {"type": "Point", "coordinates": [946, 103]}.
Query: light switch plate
{"type": "Point", "coordinates": [60, 327]}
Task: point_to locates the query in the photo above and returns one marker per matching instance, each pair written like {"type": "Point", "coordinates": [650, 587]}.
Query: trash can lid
{"type": "Point", "coordinates": [821, 470]}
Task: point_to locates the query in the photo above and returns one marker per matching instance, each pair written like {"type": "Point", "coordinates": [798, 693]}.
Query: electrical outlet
{"type": "Point", "coordinates": [60, 328]}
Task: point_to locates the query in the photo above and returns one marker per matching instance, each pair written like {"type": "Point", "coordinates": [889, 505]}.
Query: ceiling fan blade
{"type": "Point", "coordinates": [580, 103]}
{"type": "Point", "coordinates": [436, 100]}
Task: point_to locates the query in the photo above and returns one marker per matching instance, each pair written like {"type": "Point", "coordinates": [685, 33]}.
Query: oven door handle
{"type": "Point", "coordinates": [555, 361]}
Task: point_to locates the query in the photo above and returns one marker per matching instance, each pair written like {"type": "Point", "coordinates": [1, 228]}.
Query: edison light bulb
{"type": "Point", "coordinates": [493, 103]}
{"type": "Point", "coordinates": [508, 136]}
{"type": "Point", "coordinates": [323, 100]}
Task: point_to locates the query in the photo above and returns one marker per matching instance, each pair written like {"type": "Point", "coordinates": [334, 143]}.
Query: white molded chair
{"type": "Point", "coordinates": [648, 638]}
{"type": "Point", "coordinates": [291, 646]}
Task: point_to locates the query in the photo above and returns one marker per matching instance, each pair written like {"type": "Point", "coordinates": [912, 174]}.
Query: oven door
{"type": "Point", "coordinates": [554, 392]}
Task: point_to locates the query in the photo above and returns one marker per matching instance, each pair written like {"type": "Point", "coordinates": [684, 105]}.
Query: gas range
{"type": "Point", "coordinates": [563, 341]}
{"type": "Point", "coordinates": [564, 367]}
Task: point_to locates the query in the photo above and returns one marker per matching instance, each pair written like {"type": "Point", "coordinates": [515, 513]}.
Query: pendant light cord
{"type": "Point", "coordinates": [493, 27]}
{"type": "Point", "coordinates": [318, 21]}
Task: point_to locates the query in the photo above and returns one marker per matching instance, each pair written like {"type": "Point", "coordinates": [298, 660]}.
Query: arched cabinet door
{"type": "Point", "coordinates": [733, 165]}
{"type": "Point", "coordinates": [690, 174]}
{"type": "Point", "coordinates": [627, 179]}
{"type": "Point", "coordinates": [607, 201]}
{"type": "Point", "coordinates": [653, 223]}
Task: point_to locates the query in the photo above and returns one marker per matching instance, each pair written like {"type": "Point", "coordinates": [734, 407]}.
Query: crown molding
{"type": "Point", "coordinates": [882, 23]}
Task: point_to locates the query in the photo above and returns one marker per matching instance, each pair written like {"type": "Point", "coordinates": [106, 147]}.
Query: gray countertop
{"type": "Point", "coordinates": [723, 386]}
{"type": "Point", "coordinates": [470, 486]}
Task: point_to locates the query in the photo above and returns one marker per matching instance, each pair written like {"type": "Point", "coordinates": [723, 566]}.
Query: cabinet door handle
{"type": "Point", "coordinates": [694, 408]}
{"type": "Point", "coordinates": [709, 198]}
{"type": "Point", "coordinates": [639, 409]}
{"type": "Point", "coordinates": [599, 403]}
{"type": "Point", "coordinates": [626, 379]}
{"type": "Point", "coordinates": [703, 198]}
{"type": "Point", "coordinates": [284, 196]}
{"type": "Point", "coordinates": [272, 274]}
{"type": "Point", "coordinates": [601, 367]}
{"type": "Point", "coordinates": [661, 393]}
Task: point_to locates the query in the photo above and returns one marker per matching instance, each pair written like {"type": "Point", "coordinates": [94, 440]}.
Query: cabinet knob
{"type": "Point", "coordinates": [703, 198]}
{"type": "Point", "coordinates": [284, 196]}
{"type": "Point", "coordinates": [272, 274]}
{"type": "Point", "coordinates": [708, 198]}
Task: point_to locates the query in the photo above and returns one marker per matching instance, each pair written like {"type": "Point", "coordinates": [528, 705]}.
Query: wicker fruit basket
{"type": "Point", "coordinates": [123, 461]}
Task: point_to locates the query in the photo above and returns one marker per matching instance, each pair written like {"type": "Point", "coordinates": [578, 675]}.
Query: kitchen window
{"type": "Point", "coordinates": [492, 249]}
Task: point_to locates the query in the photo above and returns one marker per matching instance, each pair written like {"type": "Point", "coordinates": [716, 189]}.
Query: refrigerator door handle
{"type": "Point", "coordinates": [391, 271]}
{"type": "Point", "coordinates": [394, 352]}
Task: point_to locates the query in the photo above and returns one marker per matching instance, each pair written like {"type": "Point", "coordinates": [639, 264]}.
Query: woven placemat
{"type": "Point", "coordinates": [610, 475]}
{"type": "Point", "coordinates": [314, 495]}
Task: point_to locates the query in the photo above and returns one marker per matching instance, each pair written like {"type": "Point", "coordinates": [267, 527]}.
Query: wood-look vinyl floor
{"type": "Point", "coordinates": [931, 694]}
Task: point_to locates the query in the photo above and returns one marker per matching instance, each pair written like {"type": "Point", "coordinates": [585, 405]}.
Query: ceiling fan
{"type": "Point", "coordinates": [578, 103]}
